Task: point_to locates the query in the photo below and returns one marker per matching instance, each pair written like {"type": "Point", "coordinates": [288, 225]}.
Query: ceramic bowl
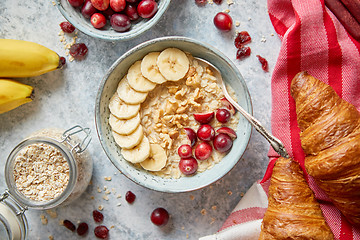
{"type": "Point", "coordinates": [74, 16]}
{"type": "Point", "coordinates": [108, 87]}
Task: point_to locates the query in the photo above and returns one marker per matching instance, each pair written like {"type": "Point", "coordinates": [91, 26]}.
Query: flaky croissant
{"type": "Point", "coordinates": [330, 138]}
{"type": "Point", "coordinates": [293, 212]}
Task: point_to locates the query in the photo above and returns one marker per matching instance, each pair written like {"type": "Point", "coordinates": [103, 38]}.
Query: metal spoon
{"type": "Point", "coordinates": [274, 142]}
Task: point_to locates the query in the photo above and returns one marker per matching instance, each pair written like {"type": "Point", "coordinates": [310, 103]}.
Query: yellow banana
{"type": "Point", "coordinates": [14, 94]}
{"type": "Point", "coordinates": [20, 58]}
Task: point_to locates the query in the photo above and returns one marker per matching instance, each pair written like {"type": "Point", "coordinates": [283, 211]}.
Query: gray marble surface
{"type": "Point", "coordinates": [66, 97]}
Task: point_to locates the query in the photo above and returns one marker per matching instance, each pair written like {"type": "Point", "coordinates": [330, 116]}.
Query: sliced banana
{"type": "Point", "coordinates": [137, 81]}
{"type": "Point", "coordinates": [150, 69]}
{"type": "Point", "coordinates": [157, 159]}
{"type": "Point", "coordinates": [124, 126]}
{"type": "Point", "coordinates": [173, 64]}
{"type": "Point", "coordinates": [122, 110]}
{"type": "Point", "coordinates": [131, 140]}
{"type": "Point", "coordinates": [128, 94]}
{"type": "Point", "coordinates": [139, 153]}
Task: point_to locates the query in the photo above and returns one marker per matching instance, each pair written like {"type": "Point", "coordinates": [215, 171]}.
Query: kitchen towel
{"type": "Point", "coordinates": [312, 39]}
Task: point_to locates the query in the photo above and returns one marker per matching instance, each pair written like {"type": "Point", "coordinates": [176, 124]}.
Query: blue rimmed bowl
{"type": "Point", "coordinates": [108, 85]}
{"type": "Point", "coordinates": [74, 16]}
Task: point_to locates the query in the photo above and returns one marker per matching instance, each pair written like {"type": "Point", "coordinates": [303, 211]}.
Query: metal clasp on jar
{"type": "Point", "coordinates": [20, 209]}
{"type": "Point", "coordinates": [78, 147]}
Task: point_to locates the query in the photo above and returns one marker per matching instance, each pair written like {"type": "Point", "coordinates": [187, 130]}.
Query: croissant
{"type": "Point", "coordinates": [293, 212]}
{"type": "Point", "coordinates": [330, 138]}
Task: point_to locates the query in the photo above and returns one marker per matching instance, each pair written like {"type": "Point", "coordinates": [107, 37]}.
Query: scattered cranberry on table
{"type": "Point", "coordinates": [78, 50]}
{"type": "Point", "coordinates": [242, 38]}
{"type": "Point", "coordinates": [82, 229]}
{"type": "Point", "coordinates": [223, 21]}
{"type": "Point", "coordinates": [67, 27]}
{"type": "Point", "coordinates": [200, 2]}
{"type": "Point", "coordinates": [130, 197]}
{"type": "Point", "coordinates": [101, 232]}
{"type": "Point", "coordinates": [188, 166]}
{"type": "Point", "coordinates": [264, 63]}
{"type": "Point", "coordinates": [243, 52]}
{"type": "Point", "coordinates": [98, 216]}
{"type": "Point", "coordinates": [69, 225]}
{"type": "Point", "coordinates": [160, 217]}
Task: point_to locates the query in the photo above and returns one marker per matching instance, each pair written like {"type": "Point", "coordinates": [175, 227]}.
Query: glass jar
{"type": "Point", "coordinates": [50, 168]}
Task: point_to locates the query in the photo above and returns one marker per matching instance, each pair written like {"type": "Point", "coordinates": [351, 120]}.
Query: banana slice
{"type": "Point", "coordinates": [129, 141]}
{"type": "Point", "coordinates": [150, 69]}
{"type": "Point", "coordinates": [137, 81]}
{"type": "Point", "coordinates": [122, 110]}
{"type": "Point", "coordinates": [173, 64]}
{"type": "Point", "coordinates": [124, 126]}
{"type": "Point", "coordinates": [129, 95]}
{"type": "Point", "coordinates": [139, 153]}
{"type": "Point", "coordinates": [157, 159]}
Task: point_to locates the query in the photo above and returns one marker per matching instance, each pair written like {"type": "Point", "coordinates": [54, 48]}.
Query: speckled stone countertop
{"type": "Point", "coordinates": [67, 97]}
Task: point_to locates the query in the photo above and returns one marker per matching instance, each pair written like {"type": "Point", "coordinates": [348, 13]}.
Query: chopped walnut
{"type": "Point", "coordinates": [174, 134]}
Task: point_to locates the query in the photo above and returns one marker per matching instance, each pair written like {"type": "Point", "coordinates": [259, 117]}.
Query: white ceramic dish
{"type": "Point", "coordinates": [74, 16]}
{"type": "Point", "coordinates": [108, 86]}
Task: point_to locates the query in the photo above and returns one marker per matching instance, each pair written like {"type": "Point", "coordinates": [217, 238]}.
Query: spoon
{"type": "Point", "coordinates": [276, 144]}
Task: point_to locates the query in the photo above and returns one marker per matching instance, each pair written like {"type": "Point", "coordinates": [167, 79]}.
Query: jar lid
{"type": "Point", "coordinates": [13, 223]}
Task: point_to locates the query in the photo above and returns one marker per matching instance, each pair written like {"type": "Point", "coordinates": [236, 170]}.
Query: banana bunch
{"type": "Point", "coordinates": [26, 59]}
{"type": "Point", "coordinates": [14, 94]}
{"type": "Point", "coordinates": [22, 59]}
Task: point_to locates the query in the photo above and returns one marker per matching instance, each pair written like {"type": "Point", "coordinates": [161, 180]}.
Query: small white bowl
{"type": "Point", "coordinates": [74, 16]}
{"type": "Point", "coordinates": [108, 87]}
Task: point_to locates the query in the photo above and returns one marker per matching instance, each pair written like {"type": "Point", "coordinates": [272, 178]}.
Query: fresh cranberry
{"type": "Point", "coordinates": [67, 27]}
{"type": "Point", "coordinates": [206, 132]}
{"type": "Point", "coordinates": [188, 166]}
{"type": "Point", "coordinates": [264, 63]}
{"type": "Point", "coordinates": [204, 118]}
{"type": "Point", "coordinates": [222, 142]}
{"type": "Point", "coordinates": [69, 225]}
{"type": "Point", "coordinates": [98, 216]}
{"type": "Point", "coordinates": [76, 3]}
{"type": "Point", "coordinates": [223, 21]}
{"type": "Point", "coordinates": [108, 13]}
{"type": "Point", "coordinates": [62, 62]}
{"type": "Point", "coordinates": [98, 20]}
{"type": "Point", "coordinates": [242, 38]}
{"type": "Point", "coordinates": [131, 12]}
{"type": "Point", "coordinates": [120, 22]}
{"type": "Point", "coordinates": [117, 5]}
{"type": "Point", "coordinates": [228, 105]}
{"type": "Point", "coordinates": [78, 50]}
{"type": "Point", "coordinates": [100, 4]}
{"type": "Point", "coordinates": [159, 217]}
{"type": "Point", "coordinates": [147, 8]}
{"type": "Point", "coordinates": [203, 151]}
{"type": "Point", "coordinates": [130, 197]}
{"type": "Point", "coordinates": [191, 135]}
{"type": "Point", "coordinates": [243, 52]}
{"type": "Point", "coordinates": [132, 1]}
{"type": "Point", "coordinates": [185, 151]}
{"type": "Point", "coordinates": [88, 9]}
{"type": "Point", "coordinates": [223, 115]}
{"type": "Point", "coordinates": [101, 232]}
{"type": "Point", "coordinates": [217, 1]}
{"type": "Point", "coordinates": [200, 2]}
{"type": "Point", "coordinates": [228, 131]}
{"type": "Point", "coordinates": [82, 229]}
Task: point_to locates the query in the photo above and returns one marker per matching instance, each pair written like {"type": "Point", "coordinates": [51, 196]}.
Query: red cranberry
{"type": "Point", "coordinates": [159, 217]}
{"type": "Point", "coordinates": [203, 151]}
{"type": "Point", "coordinates": [88, 9]}
{"type": "Point", "coordinates": [185, 151]}
{"type": "Point", "coordinates": [78, 50]}
{"type": "Point", "coordinates": [204, 118]}
{"type": "Point", "coordinates": [62, 62]}
{"type": "Point", "coordinates": [223, 115]}
{"type": "Point", "coordinates": [223, 21]}
{"type": "Point", "coordinates": [108, 13]}
{"type": "Point", "coordinates": [98, 216]}
{"type": "Point", "coordinates": [101, 232]}
{"type": "Point", "coordinates": [117, 5]}
{"type": "Point", "coordinates": [98, 20]}
{"type": "Point", "coordinates": [264, 63]}
{"type": "Point", "coordinates": [206, 132]}
{"type": "Point", "coordinates": [82, 229]}
{"type": "Point", "coordinates": [69, 225]}
{"type": "Point", "coordinates": [147, 8]}
{"type": "Point", "coordinates": [132, 1]}
{"type": "Point", "coordinates": [243, 52]}
{"type": "Point", "coordinates": [217, 1]}
{"type": "Point", "coordinates": [222, 142]}
{"type": "Point", "coordinates": [131, 12]}
{"type": "Point", "coordinates": [242, 38]}
{"type": "Point", "coordinates": [200, 2]}
{"type": "Point", "coordinates": [100, 4]}
{"type": "Point", "coordinates": [76, 3]}
{"type": "Point", "coordinates": [227, 131]}
{"type": "Point", "coordinates": [67, 27]}
{"type": "Point", "coordinates": [120, 22]}
{"type": "Point", "coordinates": [191, 135]}
{"type": "Point", "coordinates": [130, 197]}
{"type": "Point", "coordinates": [228, 105]}
{"type": "Point", "coordinates": [188, 166]}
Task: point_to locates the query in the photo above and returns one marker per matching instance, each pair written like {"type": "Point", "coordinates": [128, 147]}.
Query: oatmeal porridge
{"type": "Point", "coordinates": [150, 129]}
